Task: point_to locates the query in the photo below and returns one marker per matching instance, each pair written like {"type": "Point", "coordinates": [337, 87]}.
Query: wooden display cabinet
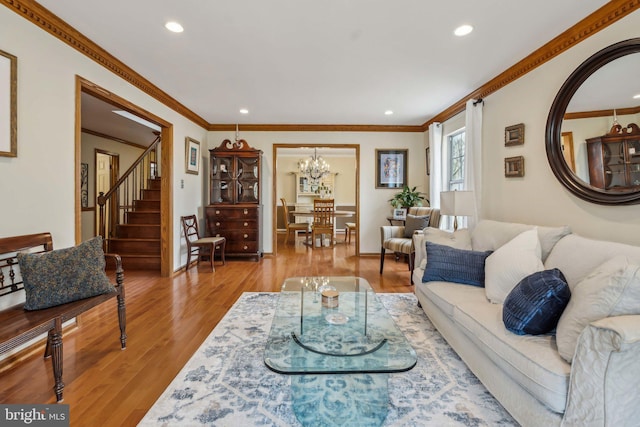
{"type": "Point", "coordinates": [614, 159]}
{"type": "Point", "coordinates": [235, 211]}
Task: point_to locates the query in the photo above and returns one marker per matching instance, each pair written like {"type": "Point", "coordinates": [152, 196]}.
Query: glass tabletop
{"type": "Point", "coordinates": [334, 325]}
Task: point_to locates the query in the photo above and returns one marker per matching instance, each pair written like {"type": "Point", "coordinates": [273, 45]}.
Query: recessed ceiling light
{"type": "Point", "coordinates": [244, 111]}
{"type": "Point", "coordinates": [636, 96]}
{"type": "Point", "coordinates": [174, 27]}
{"type": "Point", "coordinates": [388, 113]}
{"type": "Point", "coordinates": [463, 30]}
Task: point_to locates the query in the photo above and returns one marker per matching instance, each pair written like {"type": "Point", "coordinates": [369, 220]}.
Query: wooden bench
{"type": "Point", "coordinates": [19, 326]}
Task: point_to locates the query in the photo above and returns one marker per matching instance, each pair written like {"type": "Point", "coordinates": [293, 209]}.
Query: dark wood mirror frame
{"type": "Point", "coordinates": [553, 139]}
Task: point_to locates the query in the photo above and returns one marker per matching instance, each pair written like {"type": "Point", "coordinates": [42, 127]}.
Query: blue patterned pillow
{"type": "Point", "coordinates": [64, 275]}
{"type": "Point", "coordinates": [535, 305]}
{"type": "Point", "coordinates": [447, 264]}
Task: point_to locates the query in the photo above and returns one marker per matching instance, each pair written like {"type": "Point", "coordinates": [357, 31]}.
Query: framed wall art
{"type": "Point", "coordinates": [192, 156]}
{"type": "Point", "coordinates": [514, 167]}
{"type": "Point", "coordinates": [514, 135]}
{"type": "Point", "coordinates": [8, 100]}
{"type": "Point", "coordinates": [391, 168]}
{"type": "Point", "coordinates": [84, 184]}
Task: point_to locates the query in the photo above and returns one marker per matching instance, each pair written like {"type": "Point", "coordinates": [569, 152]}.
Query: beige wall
{"type": "Point", "coordinates": [538, 197]}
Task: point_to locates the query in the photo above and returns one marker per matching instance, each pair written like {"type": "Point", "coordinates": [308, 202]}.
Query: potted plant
{"type": "Point", "coordinates": [407, 198]}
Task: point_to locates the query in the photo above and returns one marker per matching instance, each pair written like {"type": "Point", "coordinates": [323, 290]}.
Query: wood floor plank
{"type": "Point", "coordinates": [167, 321]}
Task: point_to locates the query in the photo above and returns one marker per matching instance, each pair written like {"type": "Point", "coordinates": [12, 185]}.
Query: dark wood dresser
{"type": "Point", "coordinates": [235, 211]}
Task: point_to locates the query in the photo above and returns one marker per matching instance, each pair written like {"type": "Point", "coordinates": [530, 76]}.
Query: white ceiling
{"type": "Point", "coordinates": [320, 62]}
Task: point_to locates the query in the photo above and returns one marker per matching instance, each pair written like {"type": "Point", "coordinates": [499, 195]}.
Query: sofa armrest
{"type": "Point", "coordinates": [390, 231]}
{"type": "Point", "coordinates": [605, 374]}
{"type": "Point", "coordinates": [419, 248]}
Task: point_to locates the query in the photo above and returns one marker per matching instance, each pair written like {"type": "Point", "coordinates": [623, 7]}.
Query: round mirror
{"type": "Point", "coordinates": [592, 134]}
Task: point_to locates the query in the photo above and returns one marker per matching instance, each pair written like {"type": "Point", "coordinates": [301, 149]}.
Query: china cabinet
{"type": "Point", "coordinates": [307, 190]}
{"type": "Point", "coordinates": [235, 211]}
{"type": "Point", "coordinates": [614, 159]}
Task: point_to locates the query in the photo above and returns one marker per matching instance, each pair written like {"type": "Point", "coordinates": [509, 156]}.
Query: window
{"type": "Point", "coordinates": [456, 151]}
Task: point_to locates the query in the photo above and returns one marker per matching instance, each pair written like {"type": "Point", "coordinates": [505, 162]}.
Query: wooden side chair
{"type": "Point", "coordinates": [293, 227]}
{"type": "Point", "coordinates": [323, 219]}
{"type": "Point", "coordinates": [200, 246]}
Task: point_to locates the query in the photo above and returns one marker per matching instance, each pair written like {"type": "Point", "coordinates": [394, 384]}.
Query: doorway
{"type": "Point", "coordinates": [164, 165]}
{"type": "Point", "coordinates": [344, 161]}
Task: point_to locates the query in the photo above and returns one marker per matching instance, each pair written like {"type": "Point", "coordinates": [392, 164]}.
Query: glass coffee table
{"type": "Point", "coordinates": [334, 325]}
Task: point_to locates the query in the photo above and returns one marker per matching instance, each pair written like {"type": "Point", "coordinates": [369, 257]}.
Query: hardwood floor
{"type": "Point", "coordinates": [167, 320]}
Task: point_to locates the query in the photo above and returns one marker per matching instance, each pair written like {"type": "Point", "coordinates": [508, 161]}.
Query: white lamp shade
{"type": "Point", "coordinates": [457, 203]}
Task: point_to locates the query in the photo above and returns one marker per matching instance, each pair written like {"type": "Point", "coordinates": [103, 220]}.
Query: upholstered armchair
{"type": "Point", "coordinates": [394, 237]}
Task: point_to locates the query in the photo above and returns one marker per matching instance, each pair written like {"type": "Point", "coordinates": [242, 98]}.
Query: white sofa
{"type": "Point", "coordinates": [526, 373]}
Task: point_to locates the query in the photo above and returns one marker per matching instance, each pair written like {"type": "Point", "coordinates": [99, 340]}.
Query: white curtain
{"type": "Point", "coordinates": [473, 156]}
{"type": "Point", "coordinates": [435, 166]}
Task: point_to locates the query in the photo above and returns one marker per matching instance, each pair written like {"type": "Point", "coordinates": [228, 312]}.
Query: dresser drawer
{"type": "Point", "coordinates": [242, 247]}
{"type": "Point", "coordinates": [232, 213]}
{"type": "Point", "coordinates": [216, 225]}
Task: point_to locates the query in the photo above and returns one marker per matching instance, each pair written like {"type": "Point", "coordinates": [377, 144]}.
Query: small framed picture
{"type": "Point", "coordinates": [400, 213]}
{"type": "Point", "coordinates": [391, 168]}
{"type": "Point", "coordinates": [514, 135]}
{"type": "Point", "coordinates": [514, 167]}
{"type": "Point", "coordinates": [8, 107]}
{"type": "Point", "coordinates": [192, 156]}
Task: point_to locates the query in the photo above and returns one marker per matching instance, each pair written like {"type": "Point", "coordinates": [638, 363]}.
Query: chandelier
{"type": "Point", "coordinates": [314, 167]}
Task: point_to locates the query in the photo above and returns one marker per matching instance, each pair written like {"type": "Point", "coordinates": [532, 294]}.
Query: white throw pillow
{"type": "Point", "coordinates": [511, 263]}
{"type": "Point", "coordinates": [612, 289]}
{"type": "Point", "coordinates": [490, 235]}
{"type": "Point", "coordinates": [459, 239]}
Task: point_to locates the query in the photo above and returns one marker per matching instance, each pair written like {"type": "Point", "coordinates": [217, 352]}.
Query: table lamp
{"type": "Point", "coordinates": [457, 203]}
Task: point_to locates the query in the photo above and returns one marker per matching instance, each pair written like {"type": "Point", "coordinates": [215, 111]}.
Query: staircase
{"type": "Point", "coordinates": [137, 239]}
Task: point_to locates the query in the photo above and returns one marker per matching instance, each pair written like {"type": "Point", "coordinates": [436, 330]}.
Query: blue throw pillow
{"type": "Point", "coordinates": [64, 275]}
{"type": "Point", "coordinates": [535, 305]}
{"type": "Point", "coordinates": [447, 264]}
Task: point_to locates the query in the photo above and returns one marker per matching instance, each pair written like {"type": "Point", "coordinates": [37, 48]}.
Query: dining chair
{"type": "Point", "coordinates": [323, 220]}
{"type": "Point", "coordinates": [200, 246]}
{"type": "Point", "coordinates": [348, 228]}
{"type": "Point", "coordinates": [293, 227]}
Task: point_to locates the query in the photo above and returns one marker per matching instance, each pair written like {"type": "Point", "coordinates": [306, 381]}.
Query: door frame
{"type": "Point", "coordinates": [274, 201]}
{"type": "Point", "coordinates": [166, 161]}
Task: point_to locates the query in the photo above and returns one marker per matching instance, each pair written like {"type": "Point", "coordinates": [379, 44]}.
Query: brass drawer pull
{"type": "Point", "coordinates": [217, 224]}
{"type": "Point", "coordinates": [246, 235]}
{"type": "Point", "coordinates": [217, 212]}
{"type": "Point", "coordinates": [246, 211]}
{"type": "Point", "coordinates": [246, 224]}
{"type": "Point", "coordinates": [246, 247]}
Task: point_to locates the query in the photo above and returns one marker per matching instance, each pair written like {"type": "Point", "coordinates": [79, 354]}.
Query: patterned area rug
{"type": "Point", "coordinates": [227, 384]}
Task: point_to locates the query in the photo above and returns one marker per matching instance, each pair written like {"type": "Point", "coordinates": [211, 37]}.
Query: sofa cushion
{"type": "Point", "coordinates": [413, 223]}
{"type": "Point", "coordinates": [577, 256]}
{"type": "Point", "coordinates": [447, 264]}
{"type": "Point", "coordinates": [511, 263]}
{"type": "Point", "coordinates": [64, 275]}
{"type": "Point", "coordinates": [459, 239]}
{"type": "Point", "coordinates": [536, 303]}
{"type": "Point", "coordinates": [531, 361]}
{"type": "Point", "coordinates": [490, 235]}
{"type": "Point", "coordinates": [447, 295]}
{"type": "Point", "coordinates": [611, 289]}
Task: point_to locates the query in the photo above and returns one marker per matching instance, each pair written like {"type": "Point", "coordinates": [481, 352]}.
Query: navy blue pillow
{"type": "Point", "coordinates": [535, 305]}
{"type": "Point", "coordinates": [447, 264]}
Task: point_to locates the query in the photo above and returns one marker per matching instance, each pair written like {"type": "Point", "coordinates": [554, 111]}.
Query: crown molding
{"type": "Point", "coordinates": [314, 128]}
{"type": "Point", "coordinates": [608, 14]}
{"type": "Point", "coordinates": [43, 18]}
